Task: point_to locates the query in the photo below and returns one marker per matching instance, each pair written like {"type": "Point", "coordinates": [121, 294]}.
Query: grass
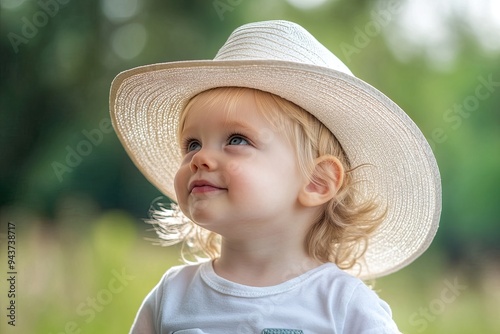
{"type": "Point", "coordinates": [92, 278]}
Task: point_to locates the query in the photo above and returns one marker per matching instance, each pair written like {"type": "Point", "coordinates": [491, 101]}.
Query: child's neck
{"type": "Point", "coordinates": [262, 263]}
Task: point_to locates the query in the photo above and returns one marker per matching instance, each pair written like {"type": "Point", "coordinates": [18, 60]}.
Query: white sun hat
{"type": "Point", "coordinates": [282, 58]}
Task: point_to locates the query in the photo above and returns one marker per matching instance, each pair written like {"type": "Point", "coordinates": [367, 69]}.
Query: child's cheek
{"type": "Point", "coordinates": [180, 185]}
{"type": "Point", "coordinates": [233, 169]}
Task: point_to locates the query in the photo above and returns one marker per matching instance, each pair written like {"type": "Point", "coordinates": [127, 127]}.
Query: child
{"type": "Point", "coordinates": [293, 176]}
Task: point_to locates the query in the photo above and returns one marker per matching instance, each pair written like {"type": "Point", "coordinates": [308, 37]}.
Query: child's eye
{"type": "Point", "coordinates": [237, 140]}
{"type": "Point", "coordinates": [191, 145]}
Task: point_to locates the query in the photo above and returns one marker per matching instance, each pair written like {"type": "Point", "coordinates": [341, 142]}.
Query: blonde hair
{"type": "Point", "coordinates": [339, 235]}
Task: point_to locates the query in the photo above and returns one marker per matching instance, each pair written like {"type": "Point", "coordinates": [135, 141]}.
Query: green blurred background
{"type": "Point", "coordinates": [84, 258]}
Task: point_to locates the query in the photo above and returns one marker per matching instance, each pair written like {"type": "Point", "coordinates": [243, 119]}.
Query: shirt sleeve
{"type": "Point", "coordinates": [147, 318]}
{"type": "Point", "coordinates": [368, 314]}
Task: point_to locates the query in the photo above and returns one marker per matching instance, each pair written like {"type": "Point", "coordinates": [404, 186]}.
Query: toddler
{"type": "Point", "coordinates": [293, 182]}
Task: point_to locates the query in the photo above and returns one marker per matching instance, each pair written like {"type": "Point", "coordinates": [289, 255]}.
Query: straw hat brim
{"type": "Point", "coordinates": [146, 102]}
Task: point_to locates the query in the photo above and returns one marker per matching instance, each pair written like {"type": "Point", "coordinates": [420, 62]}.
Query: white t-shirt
{"type": "Point", "coordinates": [194, 299]}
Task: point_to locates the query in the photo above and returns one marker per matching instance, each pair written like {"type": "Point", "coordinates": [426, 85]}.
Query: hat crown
{"type": "Point", "coordinates": [278, 40]}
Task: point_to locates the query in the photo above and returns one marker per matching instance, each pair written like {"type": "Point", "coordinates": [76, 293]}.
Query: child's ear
{"type": "Point", "coordinates": [324, 183]}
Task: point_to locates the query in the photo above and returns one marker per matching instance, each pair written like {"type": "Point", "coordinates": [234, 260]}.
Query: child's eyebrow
{"type": "Point", "coordinates": [239, 125]}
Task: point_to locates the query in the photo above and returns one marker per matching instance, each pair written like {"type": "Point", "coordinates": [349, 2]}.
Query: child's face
{"type": "Point", "coordinates": [237, 171]}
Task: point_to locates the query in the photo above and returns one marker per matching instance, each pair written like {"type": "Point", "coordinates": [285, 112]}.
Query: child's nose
{"type": "Point", "coordinates": [203, 159]}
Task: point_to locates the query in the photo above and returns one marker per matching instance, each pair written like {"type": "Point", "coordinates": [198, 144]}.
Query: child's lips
{"type": "Point", "coordinates": [202, 186]}
{"type": "Point", "coordinates": [204, 189]}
